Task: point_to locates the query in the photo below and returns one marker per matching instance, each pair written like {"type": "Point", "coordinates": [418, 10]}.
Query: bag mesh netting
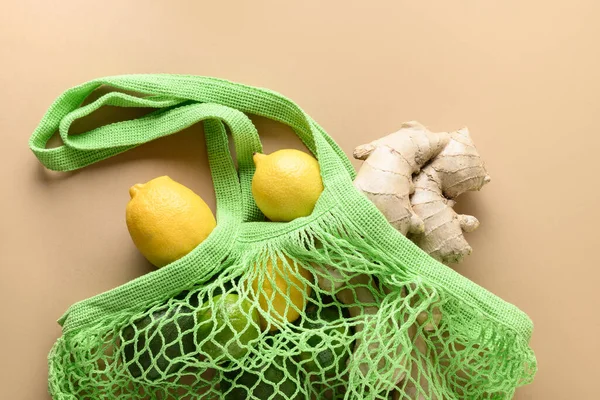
{"type": "Point", "coordinates": [336, 305]}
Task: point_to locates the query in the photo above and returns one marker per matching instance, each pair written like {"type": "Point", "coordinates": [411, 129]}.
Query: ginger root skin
{"type": "Point", "coordinates": [458, 168]}
{"type": "Point", "coordinates": [390, 162]}
{"type": "Point", "coordinates": [413, 176]}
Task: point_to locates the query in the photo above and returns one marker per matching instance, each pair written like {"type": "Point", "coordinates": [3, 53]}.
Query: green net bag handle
{"type": "Point", "coordinates": [168, 93]}
{"type": "Point", "coordinates": [211, 100]}
{"type": "Point", "coordinates": [484, 340]}
{"type": "Point", "coordinates": [118, 137]}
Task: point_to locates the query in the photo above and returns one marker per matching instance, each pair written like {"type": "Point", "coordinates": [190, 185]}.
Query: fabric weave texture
{"type": "Point", "coordinates": [166, 335]}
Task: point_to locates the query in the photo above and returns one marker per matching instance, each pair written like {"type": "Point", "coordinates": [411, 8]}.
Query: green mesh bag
{"type": "Point", "coordinates": [335, 305]}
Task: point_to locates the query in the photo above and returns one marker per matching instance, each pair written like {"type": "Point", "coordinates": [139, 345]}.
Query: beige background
{"type": "Point", "coordinates": [523, 75]}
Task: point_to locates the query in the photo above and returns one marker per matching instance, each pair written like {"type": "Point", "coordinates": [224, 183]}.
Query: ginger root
{"type": "Point", "coordinates": [413, 177]}
{"type": "Point", "coordinates": [390, 162]}
{"type": "Point", "coordinates": [430, 324]}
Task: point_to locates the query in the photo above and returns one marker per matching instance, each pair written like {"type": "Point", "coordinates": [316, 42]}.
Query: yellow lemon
{"type": "Point", "coordinates": [282, 291]}
{"type": "Point", "coordinates": [166, 220]}
{"type": "Point", "coordinates": [286, 184]}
